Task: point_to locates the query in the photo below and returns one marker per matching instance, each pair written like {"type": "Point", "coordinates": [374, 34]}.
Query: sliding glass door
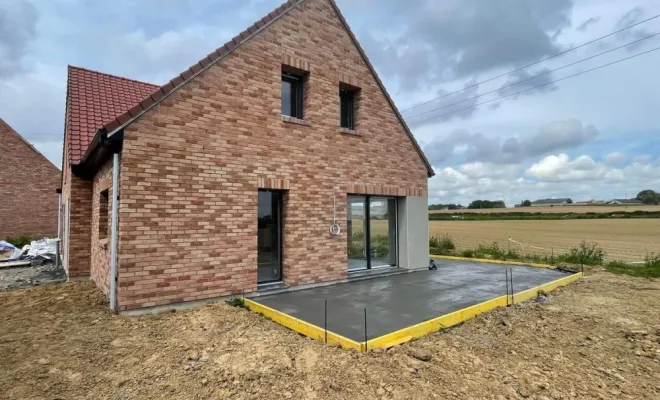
{"type": "Point", "coordinates": [357, 238]}
{"type": "Point", "coordinates": [372, 232]}
{"type": "Point", "coordinates": [382, 231]}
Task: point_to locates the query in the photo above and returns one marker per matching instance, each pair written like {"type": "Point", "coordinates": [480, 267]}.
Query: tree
{"type": "Point", "coordinates": [648, 196]}
{"type": "Point", "coordinates": [526, 203]}
{"type": "Point", "coordinates": [477, 204]}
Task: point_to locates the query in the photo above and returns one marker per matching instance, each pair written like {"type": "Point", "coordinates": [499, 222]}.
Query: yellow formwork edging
{"type": "Point", "coordinates": [486, 260]}
{"type": "Point", "coordinates": [304, 328]}
{"type": "Point", "coordinates": [548, 287]}
{"type": "Point", "coordinates": [456, 317]}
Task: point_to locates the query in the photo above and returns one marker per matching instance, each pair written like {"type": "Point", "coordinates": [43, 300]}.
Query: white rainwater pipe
{"type": "Point", "coordinates": [114, 233]}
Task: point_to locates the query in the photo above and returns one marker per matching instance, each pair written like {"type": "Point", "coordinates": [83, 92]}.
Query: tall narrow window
{"type": "Point", "coordinates": [103, 214]}
{"type": "Point", "coordinates": [292, 95]}
{"type": "Point", "coordinates": [347, 100]}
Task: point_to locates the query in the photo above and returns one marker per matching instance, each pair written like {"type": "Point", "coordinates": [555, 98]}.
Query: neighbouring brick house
{"type": "Point", "coordinates": [28, 184]}
{"type": "Point", "coordinates": [234, 176]}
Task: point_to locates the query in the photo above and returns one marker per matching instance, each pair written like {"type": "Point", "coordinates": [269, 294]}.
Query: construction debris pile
{"type": "Point", "coordinates": [38, 252]}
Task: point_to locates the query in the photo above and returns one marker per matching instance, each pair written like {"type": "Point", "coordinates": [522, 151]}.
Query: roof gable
{"type": "Point", "coordinates": [94, 98]}
{"type": "Point", "coordinates": [8, 133]}
{"type": "Point", "coordinates": [141, 106]}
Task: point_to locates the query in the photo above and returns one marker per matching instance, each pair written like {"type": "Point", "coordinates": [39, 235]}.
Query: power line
{"type": "Point", "coordinates": [534, 63]}
{"type": "Point", "coordinates": [535, 76]}
{"type": "Point", "coordinates": [538, 86]}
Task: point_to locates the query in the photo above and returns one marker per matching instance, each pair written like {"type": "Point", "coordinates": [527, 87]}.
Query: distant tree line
{"type": "Point", "coordinates": [479, 204]}
{"type": "Point", "coordinates": [449, 206]}
{"type": "Point", "coordinates": [647, 196]}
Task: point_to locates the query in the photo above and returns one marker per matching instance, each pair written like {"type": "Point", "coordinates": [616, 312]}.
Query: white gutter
{"type": "Point", "coordinates": [114, 232]}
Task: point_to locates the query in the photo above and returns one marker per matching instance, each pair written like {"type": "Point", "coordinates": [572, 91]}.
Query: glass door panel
{"type": "Point", "coordinates": [269, 237]}
{"type": "Point", "coordinates": [356, 233]}
{"type": "Point", "coordinates": [382, 231]}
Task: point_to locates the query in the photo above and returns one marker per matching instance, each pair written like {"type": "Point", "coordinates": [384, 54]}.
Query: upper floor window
{"type": "Point", "coordinates": [348, 101]}
{"type": "Point", "coordinates": [347, 108]}
{"type": "Point", "coordinates": [292, 94]}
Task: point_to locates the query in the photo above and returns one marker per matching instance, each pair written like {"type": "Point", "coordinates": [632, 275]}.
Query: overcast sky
{"type": "Point", "coordinates": [591, 136]}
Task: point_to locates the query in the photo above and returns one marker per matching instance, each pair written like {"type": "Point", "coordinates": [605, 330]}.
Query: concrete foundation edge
{"type": "Point", "coordinates": [411, 332]}
{"type": "Point", "coordinates": [457, 317]}
{"type": "Point", "coordinates": [304, 328]}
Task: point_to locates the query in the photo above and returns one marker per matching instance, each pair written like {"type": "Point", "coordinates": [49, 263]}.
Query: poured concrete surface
{"type": "Point", "coordinates": [399, 301]}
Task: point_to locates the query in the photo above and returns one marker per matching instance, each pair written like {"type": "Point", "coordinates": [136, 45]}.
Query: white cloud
{"type": "Point", "coordinates": [477, 147]}
{"type": "Point", "coordinates": [559, 168]}
{"type": "Point", "coordinates": [614, 159]}
{"type": "Point", "coordinates": [580, 178]}
{"type": "Point", "coordinates": [642, 159]}
{"type": "Point", "coordinates": [478, 170]}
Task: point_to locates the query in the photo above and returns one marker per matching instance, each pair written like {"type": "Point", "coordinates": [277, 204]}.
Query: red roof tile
{"type": "Point", "coordinates": [93, 99]}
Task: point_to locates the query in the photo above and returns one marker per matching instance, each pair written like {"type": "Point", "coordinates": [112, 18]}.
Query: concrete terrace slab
{"type": "Point", "coordinates": [399, 301]}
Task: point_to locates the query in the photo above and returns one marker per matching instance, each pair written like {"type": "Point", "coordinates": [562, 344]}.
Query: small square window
{"type": "Point", "coordinates": [103, 214]}
{"type": "Point", "coordinates": [292, 95]}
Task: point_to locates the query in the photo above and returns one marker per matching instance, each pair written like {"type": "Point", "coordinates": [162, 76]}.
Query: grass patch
{"type": "Point", "coordinates": [237, 302]}
{"type": "Point", "coordinates": [19, 241]}
{"type": "Point", "coordinates": [520, 215]}
{"type": "Point", "coordinates": [650, 268]}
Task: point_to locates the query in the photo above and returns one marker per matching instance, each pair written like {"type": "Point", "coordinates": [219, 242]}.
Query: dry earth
{"type": "Point", "coordinates": [597, 339]}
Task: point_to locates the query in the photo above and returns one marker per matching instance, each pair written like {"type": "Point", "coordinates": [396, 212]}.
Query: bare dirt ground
{"type": "Point", "coordinates": [14, 278]}
{"type": "Point", "coordinates": [597, 339]}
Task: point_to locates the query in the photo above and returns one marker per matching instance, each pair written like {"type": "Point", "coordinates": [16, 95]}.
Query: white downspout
{"type": "Point", "coordinates": [114, 232]}
{"type": "Point", "coordinates": [59, 214]}
{"type": "Point", "coordinates": [59, 229]}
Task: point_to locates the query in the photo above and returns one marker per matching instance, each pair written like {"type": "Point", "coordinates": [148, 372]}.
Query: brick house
{"type": "Point", "coordinates": [28, 184]}
{"type": "Point", "coordinates": [277, 160]}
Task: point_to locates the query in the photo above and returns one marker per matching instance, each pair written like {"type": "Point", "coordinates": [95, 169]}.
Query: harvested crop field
{"type": "Point", "coordinates": [596, 339]}
{"type": "Point", "coordinates": [622, 239]}
{"type": "Point", "coordinates": [556, 210]}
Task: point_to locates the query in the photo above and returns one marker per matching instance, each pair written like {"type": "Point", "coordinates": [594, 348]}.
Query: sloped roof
{"type": "Point", "coordinates": [6, 129]}
{"type": "Point", "coordinates": [552, 201]}
{"type": "Point", "coordinates": [94, 98]}
{"type": "Point", "coordinates": [149, 100]}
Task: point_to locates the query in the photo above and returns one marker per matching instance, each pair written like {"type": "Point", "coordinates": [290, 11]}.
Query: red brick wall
{"type": "Point", "coordinates": [79, 193]}
{"type": "Point", "coordinates": [100, 247]}
{"type": "Point", "coordinates": [191, 167]}
{"type": "Point", "coordinates": [28, 201]}
{"type": "Point", "coordinates": [77, 246]}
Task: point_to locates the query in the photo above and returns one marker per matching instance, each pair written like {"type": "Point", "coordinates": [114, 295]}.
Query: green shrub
{"type": "Point", "coordinates": [652, 260]}
{"type": "Point", "coordinates": [19, 241]}
{"type": "Point", "coordinates": [467, 253]}
{"type": "Point", "coordinates": [444, 242]}
{"type": "Point", "coordinates": [587, 253]}
{"type": "Point", "coordinates": [237, 302]}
